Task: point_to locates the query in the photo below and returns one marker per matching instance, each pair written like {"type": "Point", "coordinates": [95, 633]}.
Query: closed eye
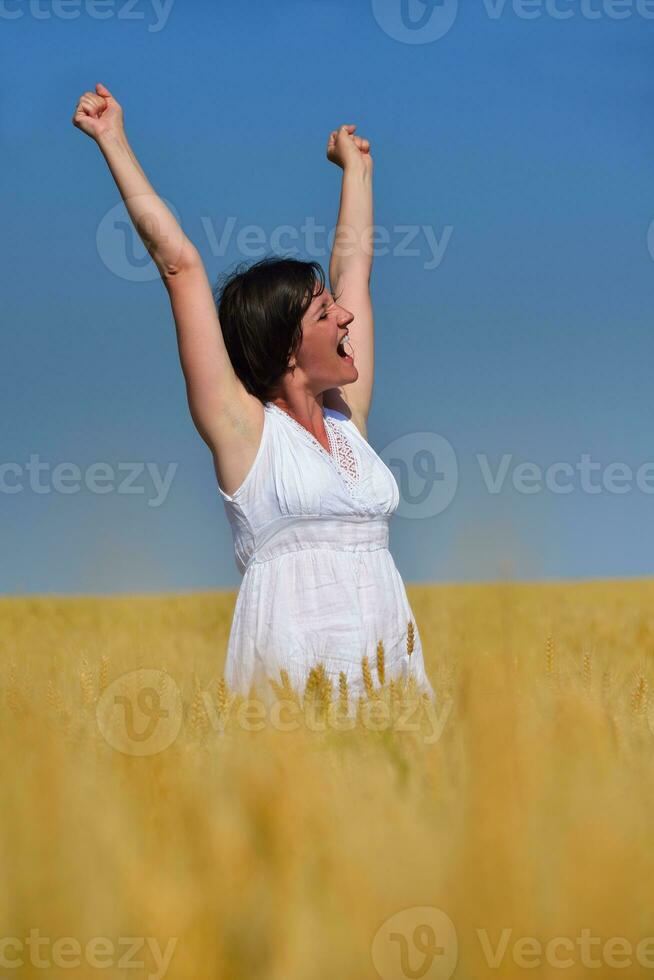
{"type": "Point", "coordinates": [336, 298]}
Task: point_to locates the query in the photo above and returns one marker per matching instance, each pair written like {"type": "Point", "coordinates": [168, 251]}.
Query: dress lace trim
{"type": "Point", "coordinates": [341, 454]}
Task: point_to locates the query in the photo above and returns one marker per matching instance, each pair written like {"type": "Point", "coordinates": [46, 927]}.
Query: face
{"type": "Point", "coordinates": [321, 356]}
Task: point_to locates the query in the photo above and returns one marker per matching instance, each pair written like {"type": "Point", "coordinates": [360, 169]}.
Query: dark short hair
{"type": "Point", "coordinates": [260, 308]}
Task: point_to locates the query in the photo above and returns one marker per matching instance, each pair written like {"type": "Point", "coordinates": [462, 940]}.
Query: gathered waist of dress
{"type": "Point", "coordinates": [348, 534]}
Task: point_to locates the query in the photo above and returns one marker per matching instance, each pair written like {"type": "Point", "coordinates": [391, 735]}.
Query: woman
{"type": "Point", "coordinates": [283, 409]}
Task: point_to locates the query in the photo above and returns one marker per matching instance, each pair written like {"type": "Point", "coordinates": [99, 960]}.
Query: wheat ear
{"type": "Point", "coordinates": [381, 666]}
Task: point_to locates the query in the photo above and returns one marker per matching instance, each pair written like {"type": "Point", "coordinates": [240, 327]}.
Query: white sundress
{"type": "Point", "coordinates": [311, 533]}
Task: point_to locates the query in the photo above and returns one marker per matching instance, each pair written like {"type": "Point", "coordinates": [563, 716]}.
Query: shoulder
{"type": "Point", "coordinates": [349, 421]}
{"type": "Point", "coordinates": [335, 402]}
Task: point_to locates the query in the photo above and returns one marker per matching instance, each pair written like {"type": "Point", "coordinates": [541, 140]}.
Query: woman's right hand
{"type": "Point", "coordinates": [98, 114]}
{"type": "Point", "coordinates": [347, 150]}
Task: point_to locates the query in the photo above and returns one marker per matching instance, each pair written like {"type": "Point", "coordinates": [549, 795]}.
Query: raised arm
{"type": "Point", "coordinates": [227, 417]}
{"type": "Point", "coordinates": [350, 267]}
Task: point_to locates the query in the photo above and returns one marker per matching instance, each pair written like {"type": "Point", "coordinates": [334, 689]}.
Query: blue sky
{"type": "Point", "coordinates": [522, 145]}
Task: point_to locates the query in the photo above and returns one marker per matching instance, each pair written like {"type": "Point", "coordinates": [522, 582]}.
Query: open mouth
{"type": "Point", "coordinates": [340, 349]}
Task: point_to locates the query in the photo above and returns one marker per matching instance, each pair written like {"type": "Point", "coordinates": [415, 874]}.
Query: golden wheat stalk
{"type": "Point", "coordinates": [283, 688]}
{"type": "Point", "coordinates": [639, 695]}
{"type": "Point", "coordinates": [222, 697]}
{"type": "Point", "coordinates": [103, 675]}
{"type": "Point", "coordinates": [550, 657]}
{"type": "Point", "coordinates": [367, 677]}
{"type": "Point", "coordinates": [587, 671]}
{"type": "Point", "coordinates": [57, 705]}
{"type": "Point", "coordinates": [287, 687]}
{"type": "Point", "coordinates": [198, 721]}
{"type": "Point", "coordinates": [381, 666]}
{"type": "Point", "coordinates": [86, 682]}
{"type": "Point", "coordinates": [343, 693]}
{"type": "Point", "coordinates": [312, 683]}
{"type": "Point", "coordinates": [277, 688]}
{"type": "Point", "coordinates": [325, 687]}
{"type": "Point", "coordinates": [325, 696]}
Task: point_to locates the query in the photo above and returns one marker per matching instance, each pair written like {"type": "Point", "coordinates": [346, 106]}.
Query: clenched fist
{"type": "Point", "coordinates": [98, 114]}
{"type": "Point", "coordinates": [345, 149]}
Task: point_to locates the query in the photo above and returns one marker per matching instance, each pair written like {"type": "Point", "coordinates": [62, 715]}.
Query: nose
{"type": "Point", "coordinates": [345, 317]}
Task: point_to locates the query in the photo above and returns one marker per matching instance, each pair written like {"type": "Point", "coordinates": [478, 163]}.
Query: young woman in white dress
{"type": "Point", "coordinates": [283, 408]}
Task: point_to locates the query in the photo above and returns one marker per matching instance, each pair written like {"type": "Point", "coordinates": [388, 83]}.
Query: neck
{"type": "Point", "coordinates": [305, 407]}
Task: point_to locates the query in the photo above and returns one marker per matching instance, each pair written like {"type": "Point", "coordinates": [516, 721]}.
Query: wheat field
{"type": "Point", "coordinates": [505, 832]}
